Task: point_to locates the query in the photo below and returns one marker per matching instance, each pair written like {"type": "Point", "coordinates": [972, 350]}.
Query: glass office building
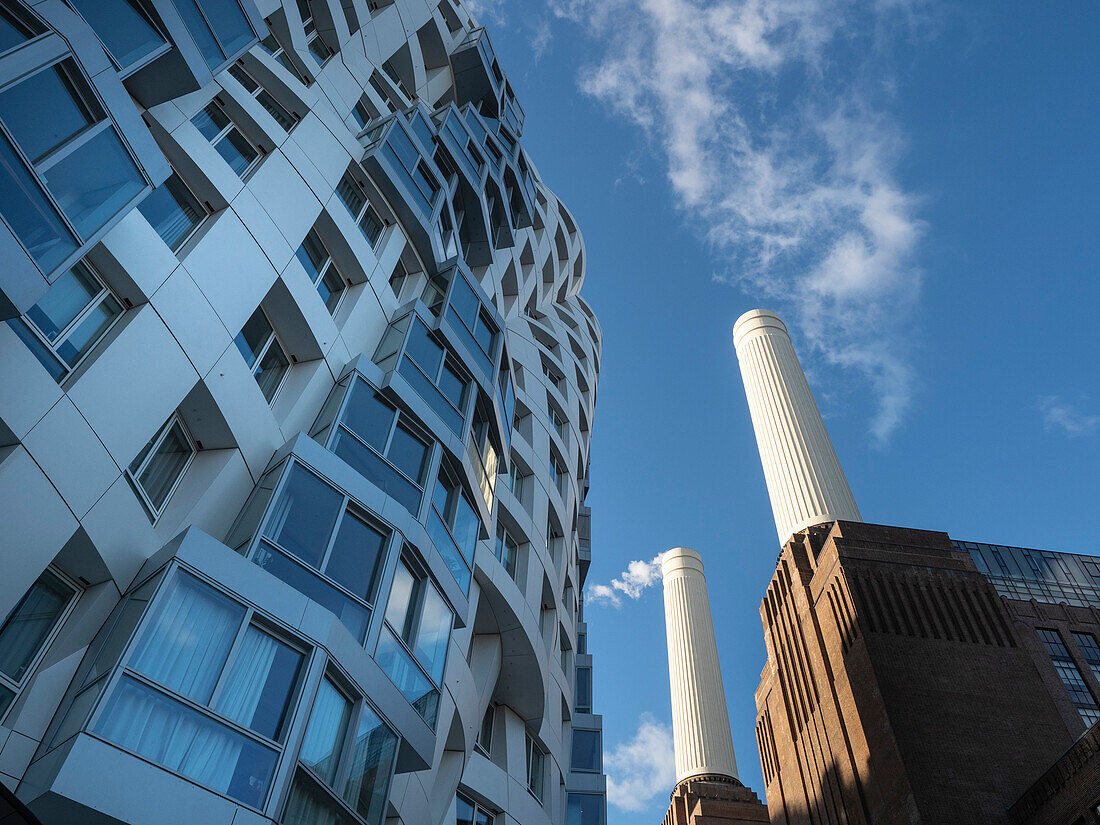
{"type": "Point", "coordinates": [296, 395]}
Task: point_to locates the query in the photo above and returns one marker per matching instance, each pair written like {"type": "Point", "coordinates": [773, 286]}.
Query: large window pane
{"type": "Point", "coordinates": [312, 255]}
{"type": "Point", "coordinates": [122, 27]}
{"type": "Point", "coordinates": [210, 121]}
{"type": "Point", "coordinates": [229, 23]}
{"type": "Point", "coordinates": [31, 217]}
{"type": "Point", "coordinates": [200, 32]}
{"type": "Point", "coordinates": [585, 809]}
{"type": "Point", "coordinates": [423, 349]}
{"type": "Point", "coordinates": [583, 695]}
{"type": "Point", "coordinates": [452, 386]}
{"type": "Point", "coordinates": [172, 211]}
{"type": "Point", "coordinates": [371, 762]}
{"type": "Point", "coordinates": [586, 750]}
{"type": "Point", "coordinates": [302, 519]}
{"type": "Point", "coordinates": [325, 735]}
{"type": "Point", "coordinates": [398, 612]}
{"type": "Point", "coordinates": [260, 685]}
{"type": "Point", "coordinates": [377, 470]}
{"type": "Point", "coordinates": [45, 110]}
{"type": "Point", "coordinates": [186, 643]}
{"type": "Point", "coordinates": [95, 182]}
{"type": "Point", "coordinates": [310, 804]}
{"type": "Point", "coordinates": [237, 151]}
{"type": "Point", "coordinates": [392, 657]}
{"type": "Point", "coordinates": [271, 369]}
{"type": "Point", "coordinates": [368, 416]}
{"type": "Point", "coordinates": [253, 336]}
{"type": "Point", "coordinates": [434, 633]}
{"type": "Point", "coordinates": [30, 623]}
{"type": "Point", "coordinates": [355, 556]}
{"type": "Point", "coordinates": [89, 330]}
{"type": "Point", "coordinates": [172, 735]}
{"type": "Point", "coordinates": [66, 299]}
{"type": "Point", "coordinates": [466, 524]}
{"type": "Point", "coordinates": [15, 30]}
{"type": "Point", "coordinates": [409, 454]}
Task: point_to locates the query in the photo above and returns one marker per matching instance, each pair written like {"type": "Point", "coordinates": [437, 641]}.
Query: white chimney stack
{"type": "Point", "coordinates": [805, 481]}
{"type": "Point", "coordinates": [700, 721]}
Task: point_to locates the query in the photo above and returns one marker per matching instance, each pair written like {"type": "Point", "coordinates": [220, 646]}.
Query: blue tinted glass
{"type": "Point", "coordinates": [312, 255]}
{"type": "Point", "coordinates": [237, 151]}
{"type": "Point", "coordinates": [464, 301]}
{"type": "Point", "coordinates": [303, 517]}
{"type": "Point", "coordinates": [368, 416]}
{"type": "Point", "coordinates": [448, 550]}
{"type": "Point", "coordinates": [252, 337]}
{"type": "Point", "coordinates": [396, 662]}
{"type": "Point", "coordinates": [585, 809]}
{"type": "Point", "coordinates": [210, 121]}
{"type": "Point", "coordinates": [124, 29]}
{"type": "Point", "coordinates": [355, 556]}
{"type": "Point", "coordinates": [45, 110]}
{"type": "Point", "coordinates": [13, 31]}
{"type": "Point", "coordinates": [452, 387]}
{"type": "Point", "coordinates": [200, 32]}
{"type": "Point", "coordinates": [94, 183]}
{"type": "Point", "coordinates": [376, 470]}
{"type": "Point", "coordinates": [33, 220]}
{"type": "Point", "coordinates": [354, 616]}
{"type": "Point", "coordinates": [423, 349]}
{"type": "Point", "coordinates": [66, 299]}
{"type": "Point", "coordinates": [466, 526]}
{"type": "Point", "coordinates": [404, 149]}
{"type": "Point", "coordinates": [172, 211]}
{"type": "Point", "coordinates": [230, 25]}
{"type": "Point", "coordinates": [408, 453]}
{"type": "Point", "coordinates": [586, 750]}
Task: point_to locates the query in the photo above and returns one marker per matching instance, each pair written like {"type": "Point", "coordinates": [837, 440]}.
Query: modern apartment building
{"type": "Point", "coordinates": [296, 393]}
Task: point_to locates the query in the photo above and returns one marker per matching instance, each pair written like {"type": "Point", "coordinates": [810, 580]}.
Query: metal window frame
{"type": "Point", "coordinates": [141, 8]}
{"type": "Point", "coordinates": [531, 748]}
{"type": "Point", "coordinates": [238, 68]}
{"type": "Point", "coordinates": [599, 751]}
{"type": "Point", "coordinates": [251, 617]}
{"type": "Point", "coordinates": [157, 440]}
{"type": "Point", "coordinates": [349, 505]}
{"type": "Point", "coordinates": [486, 749]}
{"type": "Point", "coordinates": [272, 339]}
{"type": "Point", "coordinates": [423, 579]}
{"type": "Point", "coordinates": [223, 134]}
{"type": "Point", "coordinates": [17, 686]}
{"type": "Point", "coordinates": [63, 335]}
{"type": "Point", "coordinates": [213, 32]}
{"type": "Point", "coordinates": [329, 264]}
{"type": "Point", "coordinates": [477, 806]}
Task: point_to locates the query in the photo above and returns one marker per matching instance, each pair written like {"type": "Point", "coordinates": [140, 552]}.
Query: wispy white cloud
{"type": "Point", "coordinates": [638, 576]}
{"type": "Point", "coordinates": [541, 38]}
{"type": "Point", "coordinates": [1059, 414]}
{"type": "Point", "coordinates": [642, 767]}
{"type": "Point", "coordinates": [782, 156]}
{"type": "Point", "coordinates": [488, 11]}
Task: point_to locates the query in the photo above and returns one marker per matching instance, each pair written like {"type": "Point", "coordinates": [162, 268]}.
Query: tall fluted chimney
{"type": "Point", "coordinates": [805, 481]}
{"type": "Point", "coordinates": [700, 721]}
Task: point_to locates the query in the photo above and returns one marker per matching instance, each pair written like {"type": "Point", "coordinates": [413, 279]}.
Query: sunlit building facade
{"type": "Point", "coordinates": [296, 393]}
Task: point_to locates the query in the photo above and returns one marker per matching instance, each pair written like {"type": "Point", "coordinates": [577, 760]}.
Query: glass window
{"type": "Point", "coordinates": [280, 113]}
{"type": "Point", "coordinates": [1071, 676]}
{"type": "Point", "coordinates": [173, 211]}
{"type": "Point", "coordinates": [318, 264]}
{"type": "Point", "coordinates": [586, 750]}
{"type": "Point", "coordinates": [585, 809]}
{"type": "Point", "coordinates": [27, 628]}
{"type": "Point", "coordinates": [263, 353]}
{"type": "Point", "coordinates": [484, 740]}
{"type": "Point", "coordinates": [397, 278]}
{"type": "Point", "coordinates": [434, 376]}
{"type": "Point", "coordinates": [336, 775]}
{"type": "Point", "coordinates": [535, 768]}
{"type": "Point", "coordinates": [69, 320]}
{"type": "Point", "coordinates": [582, 697]}
{"type": "Point", "coordinates": [507, 550]}
{"type": "Point", "coordinates": [1086, 643]}
{"type": "Point", "coordinates": [272, 47]}
{"type": "Point", "coordinates": [413, 647]}
{"type": "Point", "coordinates": [158, 468]}
{"type": "Point", "coordinates": [312, 527]}
{"type": "Point", "coordinates": [470, 813]}
{"type": "Point", "coordinates": [353, 197]}
{"type": "Point", "coordinates": [16, 27]}
{"type": "Point", "coordinates": [192, 648]}
{"type": "Point", "coordinates": [217, 127]}
{"type": "Point", "coordinates": [219, 28]}
{"type": "Point", "coordinates": [124, 28]}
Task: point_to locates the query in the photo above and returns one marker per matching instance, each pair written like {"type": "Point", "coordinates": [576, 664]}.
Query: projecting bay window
{"type": "Point", "coordinates": [362, 211]}
{"type": "Point", "coordinates": [129, 35]}
{"type": "Point", "coordinates": [28, 630]}
{"type": "Point", "coordinates": [324, 545]}
{"type": "Point", "coordinates": [70, 319]}
{"type": "Point", "coordinates": [453, 525]}
{"type": "Point", "coordinates": [587, 748]}
{"type": "Point", "coordinates": [206, 691]}
{"type": "Point", "coordinates": [585, 809]}
{"type": "Point", "coordinates": [412, 648]}
{"type": "Point", "coordinates": [216, 126]}
{"type": "Point", "coordinates": [64, 171]}
{"type": "Point", "coordinates": [428, 367]}
{"type": "Point", "coordinates": [582, 696]}
{"type": "Point", "coordinates": [483, 456]}
{"type": "Point", "coordinates": [285, 118]}
{"type": "Point", "coordinates": [345, 763]}
{"type": "Point", "coordinates": [321, 269]}
{"type": "Point", "coordinates": [263, 353]}
{"type": "Point", "coordinates": [173, 211]}
{"type": "Point", "coordinates": [218, 27]}
{"type": "Point", "coordinates": [157, 470]}
{"type": "Point", "coordinates": [317, 47]}
{"type": "Point", "coordinates": [536, 768]}
{"type": "Point", "coordinates": [473, 323]}
{"type": "Point", "coordinates": [386, 447]}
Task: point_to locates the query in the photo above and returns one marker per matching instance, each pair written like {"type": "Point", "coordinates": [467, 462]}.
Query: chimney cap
{"type": "Point", "coordinates": [756, 319]}
{"type": "Point", "coordinates": [681, 558]}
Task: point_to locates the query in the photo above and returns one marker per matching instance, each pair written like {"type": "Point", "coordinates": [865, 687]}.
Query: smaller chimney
{"type": "Point", "coordinates": [805, 481]}
{"type": "Point", "coordinates": [700, 721]}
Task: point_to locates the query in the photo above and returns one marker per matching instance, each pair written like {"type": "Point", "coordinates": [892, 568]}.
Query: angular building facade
{"type": "Point", "coordinates": [296, 393]}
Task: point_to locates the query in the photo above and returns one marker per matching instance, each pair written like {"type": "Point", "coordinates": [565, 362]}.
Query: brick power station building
{"type": "Point", "coordinates": [910, 678]}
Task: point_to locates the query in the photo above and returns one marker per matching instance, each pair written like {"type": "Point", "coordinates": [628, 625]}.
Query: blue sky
{"type": "Point", "coordinates": [913, 186]}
